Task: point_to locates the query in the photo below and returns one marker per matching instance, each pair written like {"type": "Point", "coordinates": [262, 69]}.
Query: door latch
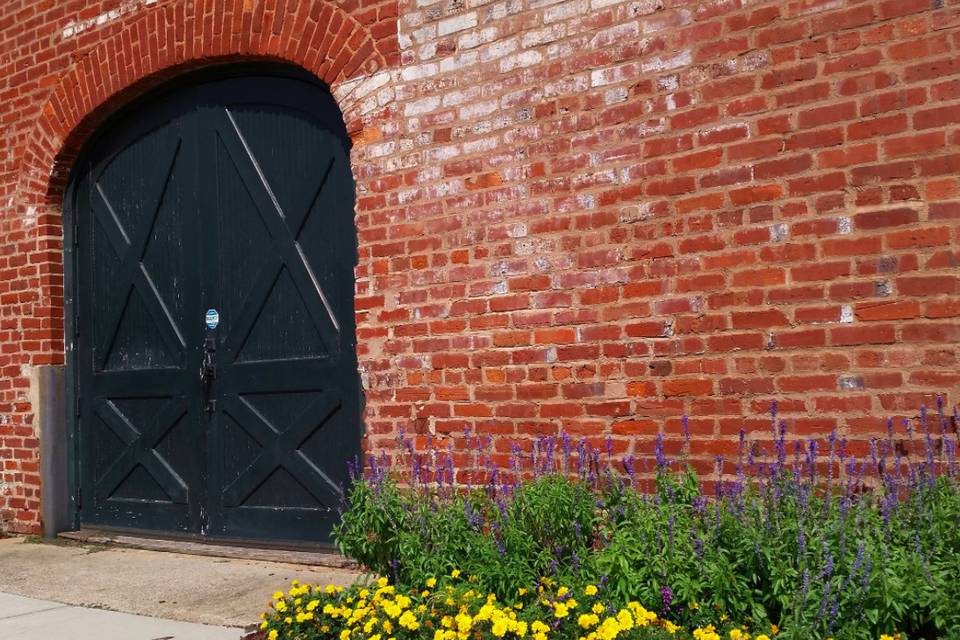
{"type": "Point", "coordinates": [208, 371]}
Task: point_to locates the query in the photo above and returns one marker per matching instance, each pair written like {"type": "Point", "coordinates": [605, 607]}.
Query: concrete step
{"type": "Point", "coordinates": [318, 557]}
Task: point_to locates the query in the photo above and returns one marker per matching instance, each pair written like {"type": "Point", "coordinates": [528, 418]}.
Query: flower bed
{"type": "Point", "coordinates": [453, 609]}
{"type": "Point", "coordinates": [803, 539]}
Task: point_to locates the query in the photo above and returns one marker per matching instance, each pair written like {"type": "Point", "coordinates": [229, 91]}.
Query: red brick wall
{"type": "Point", "coordinates": [587, 214]}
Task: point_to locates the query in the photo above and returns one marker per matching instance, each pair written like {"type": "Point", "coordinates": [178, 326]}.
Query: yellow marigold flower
{"type": "Point", "coordinates": [375, 636]}
{"type": "Point", "coordinates": [591, 590]}
{"type": "Point", "coordinates": [263, 625]}
{"type": "Point", "coordinates": [672, 628]}
{"type": "Point", "coordinates": [562, 591]}
{"type": "Point", "coordinates": [884, 636]}
{"type": "Point", "coordinates": [431, 583]}
{"type": "Point", "coordinates": [539, 636]}
{"type": "Point", "coordinates": [499, 628]}
{"type": "Point", "coordinates": [762, 636]}
{"type": "Point", "coordinates": [520, 629]}
{"type": "Point", "coordinates": [587, 620]}
{"type": "Point", "coordinates": [571, 603]}
{"type": "Point", "coordinates": [455, 573]}
{"type": "Point", "coordinates": [598, 608]}
{"type": "Point", "coordinates": [382, 582]}
{"type": "Point", "coordinates": [774, 629]}
{"type": "Point", "coordinates": [387, 626]}
{"type": "Point", "coordinates": [409, 621]}
{"type": "Point", "coordinates": [273, 634]}
{"type": "Point", "coordinates": [278, 595]}
{"type": "Point", "coordinates": [539, 627]}
{"type": "Point", "coordinates": [345, 634]}
{"type": "Point", "coordinates": [736, 634]}
{"type": "Point", "coordinates": [560, 610]}
{"type": "Point", "coordinates": [608, 629]}
{"type": "Point", "coordinates": [522, 591]}
{"type": "Point", "coordinates": [288, 620]}
{"type": "Point", "coordinates": [281, 606]}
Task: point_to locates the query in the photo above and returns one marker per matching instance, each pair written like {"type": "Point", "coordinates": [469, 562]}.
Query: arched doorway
{"type": "Point", "coordinates": [212, 258]}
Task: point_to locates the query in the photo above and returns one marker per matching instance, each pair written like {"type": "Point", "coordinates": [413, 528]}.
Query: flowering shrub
{"type": "Point", "coordinates": [806, 536]}
{"type": "Point", "coordinates": [454, 609]}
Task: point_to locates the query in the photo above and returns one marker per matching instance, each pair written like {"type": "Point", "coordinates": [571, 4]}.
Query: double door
{"type": "Point", "coordinates": [215, 365]}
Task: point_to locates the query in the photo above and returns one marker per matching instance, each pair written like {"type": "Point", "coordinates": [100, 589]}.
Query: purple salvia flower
{"type": "Point", "coordinates": [631, 471]}
{"type": "Point", "coordinates": [666, 599]}
{"type": "Point", "coordinates": [658, 452]}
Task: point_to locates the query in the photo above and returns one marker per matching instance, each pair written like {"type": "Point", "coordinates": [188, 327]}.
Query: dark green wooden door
{"type": "Point", "coordinates": [231, 199]}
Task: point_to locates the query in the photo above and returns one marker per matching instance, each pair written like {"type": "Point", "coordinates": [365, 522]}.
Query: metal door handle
{"type": "Point", "coordinates": [208, 369]}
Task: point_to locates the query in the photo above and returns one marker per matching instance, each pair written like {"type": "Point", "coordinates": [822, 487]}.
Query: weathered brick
{"type": "Point", "coordinates": [589, 214]}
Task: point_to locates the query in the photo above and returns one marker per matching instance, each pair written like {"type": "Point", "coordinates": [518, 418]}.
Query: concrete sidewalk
{"type": "Point", "coordinates": [30, 619]}
{"type": "Point", "coordinates": [221, 592]}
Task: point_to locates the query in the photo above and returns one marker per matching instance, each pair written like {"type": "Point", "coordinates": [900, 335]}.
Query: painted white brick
{"type": "Point", "coordinates": [478, 109]}
{"type": "Point", "coordinates": [617, 33]}
{"type": "Point", "coordinates": [543, 36]}
{"type": "Point", "coordinates": [419, 71]}
{"type": "Point", "coordinates": [520, 60]}
{"type": "Point", "coordinates": [425, 105]}
{"type": "Point", "coordinates": [498, 49]}
{"type": "Point", "coordinates": [667, 62]}
{"type": "Point", "coordinates": [482, 144]}
{"type": "Point", "coordinates": [457, 23]}
{"type": "Point", "coordinates": [425, 33]}
{"type": "Point", "coordinates": [380, 149]}
{"type": "Point", "coordinates": [565, 86]}
{"type": "Point", "coordinates": [476, 38]}
{"type": "Point", "coordinates": [503, 9]}
{"type": "Point", "coordinates": [456, 98]}
{"type": "Point", "coordinates": [645, 7]}
{"type": "Point", "coordinates": [612, 75]}
{"type": "Point", "coordinates": [459, 61]}
{"type": "Point", "coordinates": [565, 11]}
{"type": "Point", "coordinates": [440, 154]}
{"type": "Point", "coordinates": [601, 4]}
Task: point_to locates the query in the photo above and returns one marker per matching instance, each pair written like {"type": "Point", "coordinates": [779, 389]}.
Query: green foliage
{"type": "Point", "coordinates": [816, 559]}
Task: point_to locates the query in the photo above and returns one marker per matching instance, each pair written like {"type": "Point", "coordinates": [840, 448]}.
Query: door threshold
{"type": "Point", "coordinates": [312, 557]}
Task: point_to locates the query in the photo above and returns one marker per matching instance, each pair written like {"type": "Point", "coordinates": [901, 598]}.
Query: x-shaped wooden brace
{"type": "Point", "coordinates": [139, 449]}
{"type": "Point", "coordinates": [284, 231]}
{"type": "Point", "coordinates": [132, 273]}
{"type": "Point", "coordinates": [282, 449]}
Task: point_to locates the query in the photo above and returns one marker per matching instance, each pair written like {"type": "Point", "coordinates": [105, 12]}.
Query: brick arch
{"type": "Point", "coordinates": [317, 35]}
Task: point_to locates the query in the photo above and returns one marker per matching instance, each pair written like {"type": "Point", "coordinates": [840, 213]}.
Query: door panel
{"type": "Point", "coordinates": [234, 195]}
{"type": "Point", "coordinates": [286, 351]}
{"type": "Point", "coordinates": [140, 461]}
